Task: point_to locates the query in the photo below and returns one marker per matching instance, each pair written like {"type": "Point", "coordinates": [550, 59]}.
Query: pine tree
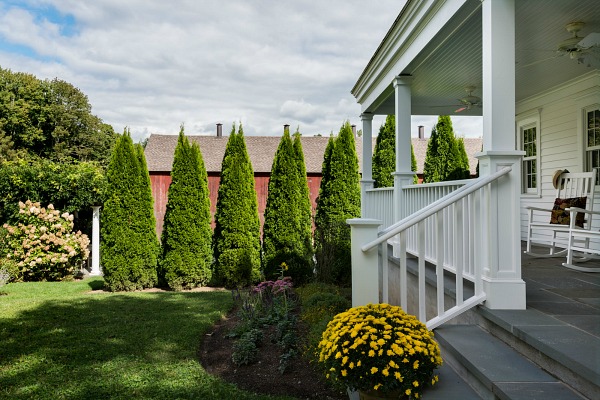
{"type": "Point", "coordinates": [441, 159]}
{"type": "Point", "coordinates": [341, 203]}
{"type": "Point", "coordinates": [384, 157]}
{"type": "Point", "coordinates": [284, 230]}
{"type": "Point", "coordinates": [127, 249]}
{"type": "Point", "coordinates": [321, 216]}
{"type": "Point", "coordinates": [236, 240]}
{"type": "Point", "coordinates": [186, 237]}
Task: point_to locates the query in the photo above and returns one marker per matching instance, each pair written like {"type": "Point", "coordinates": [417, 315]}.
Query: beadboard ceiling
{"type": "Point", "coordinates": [452, 60]}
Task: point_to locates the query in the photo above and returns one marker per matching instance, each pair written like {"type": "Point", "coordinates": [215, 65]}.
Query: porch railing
{"type": "Point", "coordinates": [450, 233]}
{"type": "Point", "coordinates": [381, 205]}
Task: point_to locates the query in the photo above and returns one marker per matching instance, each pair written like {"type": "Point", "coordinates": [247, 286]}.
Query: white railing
{"type": "Point", "coordinates": [460, 215]}
{"type": "Point", "coordinates": [380, 205]}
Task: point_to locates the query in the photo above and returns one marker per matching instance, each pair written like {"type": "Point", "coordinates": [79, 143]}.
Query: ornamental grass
{"type": "Point", "coordinates": [379, 348]}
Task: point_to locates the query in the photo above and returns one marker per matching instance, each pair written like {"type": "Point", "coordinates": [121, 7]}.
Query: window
{"type": "Point", "coordinates": [529, 143]}
{"type": "Point", "coordinates": [592, 139]}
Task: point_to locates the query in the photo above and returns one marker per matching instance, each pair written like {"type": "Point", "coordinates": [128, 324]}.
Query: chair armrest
{"type": "Point", "coordinates": [538, 209]}
{"type": "Point", "coordinates": [581, 210]}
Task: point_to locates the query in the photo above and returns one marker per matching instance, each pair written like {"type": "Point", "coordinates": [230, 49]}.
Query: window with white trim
{"type": "Point", "coordinates": [529, 143]}
{"type": "Point", "coordinates": [592, 140]}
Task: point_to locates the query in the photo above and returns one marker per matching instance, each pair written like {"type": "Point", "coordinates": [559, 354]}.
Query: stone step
{"type": "Point", "coordinates": [494, 369]}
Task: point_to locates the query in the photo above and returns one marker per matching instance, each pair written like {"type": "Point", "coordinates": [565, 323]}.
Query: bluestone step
{"type": "Point", "coordinates": [498, 370]}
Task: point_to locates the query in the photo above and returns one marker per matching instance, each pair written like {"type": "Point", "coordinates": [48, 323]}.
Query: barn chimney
{"type": "Point", "coordinates": [421, 132]}
{"type": "Point", "coordinates": [286, 127]}
{"type": "Point", "coordinates": [353, 130]}
{"type": "Point", "coordinates": [219, 130]}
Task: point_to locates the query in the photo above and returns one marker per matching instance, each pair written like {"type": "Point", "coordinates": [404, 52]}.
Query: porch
{"type": "Point", "coordinates": [559, 331]}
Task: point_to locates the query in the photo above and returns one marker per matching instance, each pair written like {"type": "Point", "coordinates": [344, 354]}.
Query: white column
{"type": "Point", "coordinates": [95, 241]}
{"type": "Point", "coordinates": [403, 175]}
{"type": "Point", "coordinates": [501, 253]}
{"type": "Point", "coordinates": [366, 182]}
{"type": "Point", "coordinates": [365, 265]}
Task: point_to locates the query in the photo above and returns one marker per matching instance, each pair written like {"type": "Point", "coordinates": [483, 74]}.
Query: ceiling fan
{"type": "Point", "coordinates": [586, 50]}
{"type": "Point", "coordinates": [577, 47]}
{"type": "Point", "coordinates": [467, 102]}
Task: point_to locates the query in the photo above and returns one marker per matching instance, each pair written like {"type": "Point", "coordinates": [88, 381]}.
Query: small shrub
{"type": "Point", "coordinates": [42, 244]}
{"type": "Point", "coordinates": [323, 304]}
{"type": "Point", "coordinates": [245, 351]}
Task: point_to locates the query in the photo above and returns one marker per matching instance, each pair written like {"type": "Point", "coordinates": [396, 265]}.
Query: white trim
{"type": "Point", "coordinates": [582, 130]}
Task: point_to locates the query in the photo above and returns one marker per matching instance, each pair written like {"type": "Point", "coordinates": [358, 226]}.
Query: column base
{"type": "Point", "coordinates": [504, 294]}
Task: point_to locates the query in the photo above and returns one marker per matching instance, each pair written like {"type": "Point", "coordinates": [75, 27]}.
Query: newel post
{"type": "Point", "coordinates": [95, 241]}
{"type": "Point", "coordinates": [365, 264]}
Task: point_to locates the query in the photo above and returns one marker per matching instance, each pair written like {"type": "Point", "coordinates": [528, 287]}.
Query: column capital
{"type": "Point", "coordinates": [366, 116]}
{"type": "Point", "coordinates": [405, 80]}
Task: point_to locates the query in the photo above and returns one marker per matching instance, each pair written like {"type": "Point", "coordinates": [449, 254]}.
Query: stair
{"type": "Point", "coordinates": [496, 370]}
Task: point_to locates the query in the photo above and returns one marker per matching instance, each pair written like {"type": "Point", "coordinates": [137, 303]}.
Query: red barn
{"type": "Point", "coordinates": [160, 150]}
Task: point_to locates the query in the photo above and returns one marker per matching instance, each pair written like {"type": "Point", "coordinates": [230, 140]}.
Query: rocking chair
{"type": "Point", "coordinates": [552, 230]}
{"type": "Point", "coordinates": [579, 241]}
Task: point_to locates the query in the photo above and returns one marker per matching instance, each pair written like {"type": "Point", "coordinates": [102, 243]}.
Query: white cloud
{"type": "Point", "coordinates": [154, 65]}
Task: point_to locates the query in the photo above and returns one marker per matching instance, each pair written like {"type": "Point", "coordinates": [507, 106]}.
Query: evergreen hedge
{"type": "Point", "coordinates": [128, 245]}
{"type": "Point", "coordinates": [186, 255]}
{"type": "Point", "coordinates": [341, 202]}
{"type": "Point", "coordinates": [236, 240]}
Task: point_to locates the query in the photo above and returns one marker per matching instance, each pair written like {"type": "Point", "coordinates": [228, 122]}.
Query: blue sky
{"type": "Point", "coordinates": [152, 65]}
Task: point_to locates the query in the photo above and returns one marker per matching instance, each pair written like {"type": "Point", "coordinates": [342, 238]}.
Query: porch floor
{"type": "Point", "coordinates": [562, 319]}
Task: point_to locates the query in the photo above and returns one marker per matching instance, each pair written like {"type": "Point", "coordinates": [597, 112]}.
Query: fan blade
{"type": "Point", "coordinates": [461, 109]}
{"type": "Point", "coordinates": [593, 39]}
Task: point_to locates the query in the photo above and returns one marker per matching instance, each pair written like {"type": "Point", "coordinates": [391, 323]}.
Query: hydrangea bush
{"type": "Point", "coordinates": [379, 348]}
{"type": "Point", "coordinates": [43, 245]}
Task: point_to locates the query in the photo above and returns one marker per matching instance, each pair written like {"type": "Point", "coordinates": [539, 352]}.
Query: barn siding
{"type": "Point", "coordinates": [160, 182]}
{"type": "Point", "coordinates": [561, 136]}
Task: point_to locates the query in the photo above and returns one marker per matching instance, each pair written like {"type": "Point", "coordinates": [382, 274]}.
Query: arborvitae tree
{"type": "Point", "coordinates": [304, 208]}
{"type": "Point", "coordinates": [413, 164]}
{"type": "Point", "coordinates": [441, 159]}
{"type": "Point", "coordinates": [147, 222]}
{"type": "Point", "coordinates": [236, 240]}
{"type": "Point", "coordinates": [186, 237]}
{"type": "Point", "coordinates": [321, 216]}
{"type": "Point", "coordinates": [283, 231]}
{"type": "Point", "coordinates": [464, 159]}
{"type": "Point", "coordinates": [342, 202]}
{"type": "Point", "coordinates": [384, 157]}
{"type": "Point", "coordinates": [128, 255]}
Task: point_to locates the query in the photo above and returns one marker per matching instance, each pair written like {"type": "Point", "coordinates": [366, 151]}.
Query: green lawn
{"type": "Point", "coordinates": [59, 341]}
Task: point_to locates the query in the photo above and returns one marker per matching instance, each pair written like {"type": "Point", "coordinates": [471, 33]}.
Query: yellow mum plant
{"type": "Point", "coordinates": [381, 349]}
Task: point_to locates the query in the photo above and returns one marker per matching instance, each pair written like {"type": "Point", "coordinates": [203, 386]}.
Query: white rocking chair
{"type": "Point", "coordinates": [555, 236]}
{"type": "Point", "coordinates": [579, 241]}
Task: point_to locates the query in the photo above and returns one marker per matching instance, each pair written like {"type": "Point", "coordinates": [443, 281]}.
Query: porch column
{"type": "Point", "coordinates": [366, 182]}
{"type": "Point", "coordinates": [501, 252]}
{"type": "Point", "coordinates": [95, 241]}
{"type": "Point", "coordinates": [403, 175]}
{"type": "Point", "coordinates": [365, 265]}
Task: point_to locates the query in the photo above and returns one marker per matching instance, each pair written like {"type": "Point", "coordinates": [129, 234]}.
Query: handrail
{"type": "Point", "coordinates": [433, 208]}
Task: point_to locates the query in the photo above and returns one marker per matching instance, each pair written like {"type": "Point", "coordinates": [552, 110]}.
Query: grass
{"type": "Point", "coordinates": [59, 341]}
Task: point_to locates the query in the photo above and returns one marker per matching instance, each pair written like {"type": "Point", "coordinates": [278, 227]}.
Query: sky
{"type": "Point", "coordinates": [154, 65]}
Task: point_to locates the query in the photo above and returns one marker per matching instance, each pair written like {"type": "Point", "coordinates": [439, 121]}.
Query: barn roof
{"type": "Point", "coordinates": [261, 149]}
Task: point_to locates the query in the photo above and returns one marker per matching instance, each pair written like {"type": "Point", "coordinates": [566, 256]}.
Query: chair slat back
{"type": "Point", "coordinates": [578, 184]}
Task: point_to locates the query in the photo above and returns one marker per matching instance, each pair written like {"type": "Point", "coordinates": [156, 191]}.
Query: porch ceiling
{"type": "Point", "coordinates": [452, 60]}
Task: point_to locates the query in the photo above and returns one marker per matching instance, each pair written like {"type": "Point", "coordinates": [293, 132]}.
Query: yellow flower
{"type": "Point", "coordinates": [344, 373]}
{"type": "Point", "coordinates": [371, 353]}
{"type": "Point", "coordinates": [351, 365]}
{"type": "Point", "coordinates": [385, 372]}
{"type": "Point", "coordinates": [374, 370]}
{"type": "Point", "coordinates": [416, 383]}
{"type": "Point", "coordinates": [408, 392]}
{"type": "Point", "coordinates": [376, 387]}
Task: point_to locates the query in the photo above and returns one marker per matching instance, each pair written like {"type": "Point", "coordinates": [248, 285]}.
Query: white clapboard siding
{"type": "Point", "coordinates": [562, 137]}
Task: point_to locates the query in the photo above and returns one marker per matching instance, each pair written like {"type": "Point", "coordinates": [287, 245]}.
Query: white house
{"type": "Point", "coordinates": [530, 68]}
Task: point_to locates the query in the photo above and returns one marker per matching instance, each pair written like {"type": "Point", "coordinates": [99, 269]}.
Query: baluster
{"type": "Point", "coordinates": [439, 270]}
{"type": "Point", "coordinates": [421, 240]}
{"type": "Point", "coordinates": [403, 277]}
